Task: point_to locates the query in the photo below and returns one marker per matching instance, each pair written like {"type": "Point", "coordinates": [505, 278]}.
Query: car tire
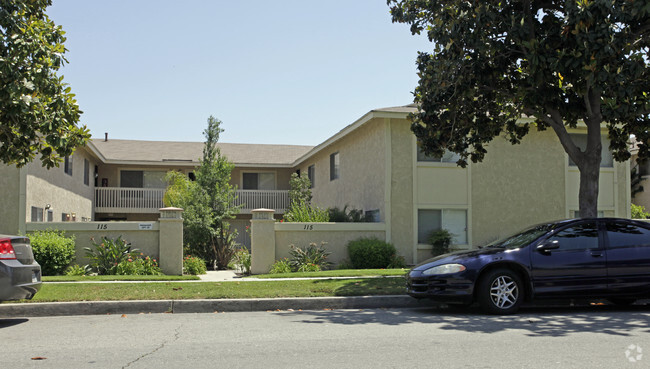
{"type": "Point", "coordinates": [500, 291]}
{"type": "Point", "coordinates": [622, 301]}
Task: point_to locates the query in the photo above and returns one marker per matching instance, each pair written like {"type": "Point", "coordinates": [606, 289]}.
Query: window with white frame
{"type": "Point", "coordinates": [258, 181]}
{"type": "Point", "coordinates": [580, 140]}
{"type": "Point", "coordinates": [453, 220]}
{"type": "Point", "coordinates": [334, 166]}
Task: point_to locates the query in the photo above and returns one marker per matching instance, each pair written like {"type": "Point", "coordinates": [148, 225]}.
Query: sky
{"type": "Point", "coordinates": [273, 71]}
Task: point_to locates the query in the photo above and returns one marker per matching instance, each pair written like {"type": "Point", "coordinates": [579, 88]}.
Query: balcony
{"type": "Point", "coordinates": [149, 200]}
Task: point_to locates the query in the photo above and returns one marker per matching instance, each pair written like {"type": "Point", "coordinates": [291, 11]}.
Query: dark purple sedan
{"type": "Point", "coordinates": [20, 274]}
{"type": "Point", "coordinates": [570, 259]}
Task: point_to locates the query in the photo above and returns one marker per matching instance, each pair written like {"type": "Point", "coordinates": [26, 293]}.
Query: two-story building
{"type": "Point", "coordinates": [372, 164]}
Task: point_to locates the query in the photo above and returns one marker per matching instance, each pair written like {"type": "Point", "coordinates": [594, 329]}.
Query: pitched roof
{"type": "Point", "coordinates": [136, 151]}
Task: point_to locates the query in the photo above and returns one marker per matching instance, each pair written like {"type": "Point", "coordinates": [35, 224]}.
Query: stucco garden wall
{"type": "Point", "coordinates": [336, 236]}
{"type": "Point", "coordinates": [162, 239]}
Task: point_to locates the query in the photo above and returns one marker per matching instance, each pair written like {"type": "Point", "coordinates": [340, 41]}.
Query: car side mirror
{"type": "Point", "coordinates": [547, 246]}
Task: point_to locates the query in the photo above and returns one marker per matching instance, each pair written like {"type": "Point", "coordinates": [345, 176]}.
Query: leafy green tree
{"type": "Point", "coordinates": [299, 190]}
{"type": "Point", "coordinates": [38, 113]}
{"type": "Point", "coordinates": [560, 62]}
{"type": "Point", "coordinates": [208, 203]}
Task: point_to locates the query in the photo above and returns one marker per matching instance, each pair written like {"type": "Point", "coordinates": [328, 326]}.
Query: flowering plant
{"type": "Point", "coordinates": [105, 256]}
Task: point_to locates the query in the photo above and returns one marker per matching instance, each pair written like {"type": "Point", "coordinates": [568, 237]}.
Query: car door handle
{"type": "Point", "coordinates": [596, 254]}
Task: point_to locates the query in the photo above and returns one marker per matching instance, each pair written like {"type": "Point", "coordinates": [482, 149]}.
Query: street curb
{"type": "Point", "coordinates": [206, 306]}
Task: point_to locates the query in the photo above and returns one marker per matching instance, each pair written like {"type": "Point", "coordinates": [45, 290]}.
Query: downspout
{"type": "Point", "coordinates": [22, 200]}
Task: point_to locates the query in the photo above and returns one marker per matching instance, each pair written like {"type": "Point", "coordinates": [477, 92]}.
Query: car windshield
{"type": "Point", "coordinates": [522, 239]}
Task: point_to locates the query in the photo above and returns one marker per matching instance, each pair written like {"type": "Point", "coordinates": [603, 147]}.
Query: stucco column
{"type": "Point", "coordinates": [262, 241]}
{"type": "Point", "coordinates": [170, 246]}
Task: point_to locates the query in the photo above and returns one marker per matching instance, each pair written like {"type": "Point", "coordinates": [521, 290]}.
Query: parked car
{"type": "Point", "coordinates": [20, 274]}
{"type": "Point", "coordinates": [570, 259]}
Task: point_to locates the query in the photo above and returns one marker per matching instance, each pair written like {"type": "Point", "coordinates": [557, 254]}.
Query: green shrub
{"type": "Point", "coordinates": [242, 260]}
{"type": "Point", "coordinates": [346, 216]}
{"type": "Point", "coordinates": [193, 265]}
{"type": "Point", "coordinates": [440, 240]}
{"type": "Point", "coordinates": [280, 266]}
{"type": "Point", "coordinates": [77, 270]}
{"type": "Point", "coordinates": [303, 211]}
{"type": "Point", "coordinates": [107, 255]}
{"type": "Point", "coordinates": [371, 253]}
{"type": "Point", "coordinates": [137, 265]}
{"type": "Point", "coordinates": [638, 212]}
{"type": "Point", "coordinates": [311, 255]}
{"type": "Point", "coordinates": [52, 250]}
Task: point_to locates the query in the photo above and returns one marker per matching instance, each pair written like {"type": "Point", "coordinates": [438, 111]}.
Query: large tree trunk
{"type": "Point", "coordinates": [588, 195]}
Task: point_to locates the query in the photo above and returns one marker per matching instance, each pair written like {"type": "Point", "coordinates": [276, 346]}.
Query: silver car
{"type": "Point", "coordinates": [20, 274]}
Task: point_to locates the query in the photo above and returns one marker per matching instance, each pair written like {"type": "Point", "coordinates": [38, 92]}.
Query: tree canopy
{"type": "Point", "coordinates": [38, 112]}
{"type": "Point", "coordinates": [562, 63]}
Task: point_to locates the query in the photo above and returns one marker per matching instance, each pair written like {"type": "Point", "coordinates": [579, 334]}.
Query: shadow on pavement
{"type": "Point", "coordinates": [537, 321]}
{"type": "Point", "coordinates": [6, 323]}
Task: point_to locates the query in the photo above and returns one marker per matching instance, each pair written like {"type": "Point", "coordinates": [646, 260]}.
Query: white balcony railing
{"type": "Point", "coordinates": [128, 200]}
{"type": "Point", "coordinates": [277, 200]}
{"type": "Point", "coordinates": [149, 200]}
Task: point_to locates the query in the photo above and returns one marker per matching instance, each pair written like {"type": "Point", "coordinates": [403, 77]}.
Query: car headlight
{"type": "Point", "coordinates": [444, 269]}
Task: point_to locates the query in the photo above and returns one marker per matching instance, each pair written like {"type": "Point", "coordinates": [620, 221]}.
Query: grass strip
{"type": "Point", "coordinates": [93, 278]}
{"type": "Point", "coordinates": [218, 290]}
{"type": "Point", "coordinates": [337, 273]}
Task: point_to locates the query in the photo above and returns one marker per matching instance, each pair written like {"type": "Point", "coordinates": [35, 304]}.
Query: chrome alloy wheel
{"type": "Point", "coordinates": [504, 292]}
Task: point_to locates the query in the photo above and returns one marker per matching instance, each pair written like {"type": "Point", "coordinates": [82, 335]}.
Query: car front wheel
{"type": "Point", "coordinates": [500, 292]}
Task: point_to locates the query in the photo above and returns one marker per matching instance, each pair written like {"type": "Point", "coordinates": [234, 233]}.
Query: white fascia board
{"type": "Point", "coordinates": [93, 149]}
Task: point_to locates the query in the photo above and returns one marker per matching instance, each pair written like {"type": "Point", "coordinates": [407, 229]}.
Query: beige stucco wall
{"type": "Point", "coordinates": [402, 229]}
{"type": "Point", "coordinates": [64, 193]}
{"type": "Point", "coordinates": [336, 236]}
{"type": "Point", "coordinates": [517, 185]}
{"type": "Point", "coordinates": [362, 170]}
{"type": "Point", "coordinates": [10, 197]}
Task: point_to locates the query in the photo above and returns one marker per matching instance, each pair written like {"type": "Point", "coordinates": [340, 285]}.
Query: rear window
{"type": "Point", "coordinates": [627, 235]}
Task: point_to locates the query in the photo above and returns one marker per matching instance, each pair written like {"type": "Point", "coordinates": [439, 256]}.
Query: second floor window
{"type": "Point", "coordinates": [607, 159]}
{"type": "Point", "coordinates": [311, 174]}
{"type": "Point", "coordinates": [86, 172]}
{"type": "Point", "coordinates": [142, 179]}
{"type": "Point", "coordinates": [258, 181]}
{"type": "Point", "coordinates": [67, 165]}
{"type": "Point", "coordinates": [334, 166]}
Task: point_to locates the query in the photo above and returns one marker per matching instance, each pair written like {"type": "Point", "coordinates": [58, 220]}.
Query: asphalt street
{"type": "Point", "coordinates": [568, 337]}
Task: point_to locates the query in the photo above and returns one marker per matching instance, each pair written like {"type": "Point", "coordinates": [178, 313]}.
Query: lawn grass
{"type": "Point", "coordinates": [218, 290]}
{"type": "Point", "coordinates": [337, 273]}
{"type": "Point", "coordinates": [95, 278]}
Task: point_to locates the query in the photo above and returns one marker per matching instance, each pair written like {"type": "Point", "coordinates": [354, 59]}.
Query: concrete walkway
{"type": "Point", "coordinates": [219, 276]}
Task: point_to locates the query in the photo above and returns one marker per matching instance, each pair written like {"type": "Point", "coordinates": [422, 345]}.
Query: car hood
{"type": "Point", "coordinates": [457, 257]}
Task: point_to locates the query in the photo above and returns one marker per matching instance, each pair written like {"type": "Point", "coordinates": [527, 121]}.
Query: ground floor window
{"type": "Point", "coordinates": [453, 220]}
{"type": "Point", "coordinates": [37, 214]}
